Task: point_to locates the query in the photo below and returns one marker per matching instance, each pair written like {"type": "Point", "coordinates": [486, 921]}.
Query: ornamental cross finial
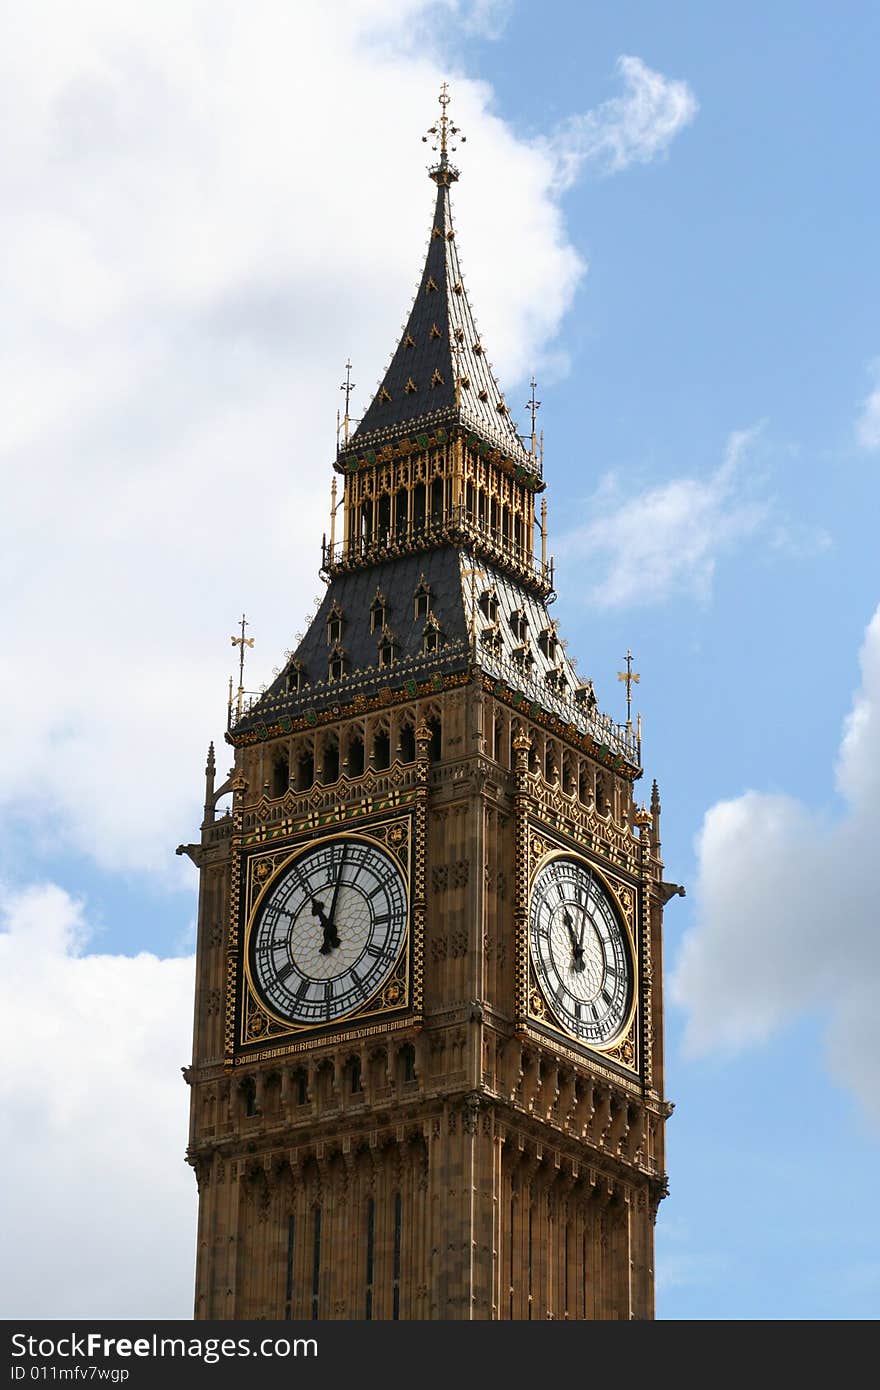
{"type": "Point", "coordinates": [347, 386]}
{"type": "Point", "coordinates": [443, 134]}
{"type": "Point", "coordinates": [241, 642]}
{"type": "Point", "coordinates": [631, 678]}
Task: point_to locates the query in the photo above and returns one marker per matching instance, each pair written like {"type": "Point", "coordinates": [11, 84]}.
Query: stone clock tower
{"type": "Point", "coordinates": [427, 1077]}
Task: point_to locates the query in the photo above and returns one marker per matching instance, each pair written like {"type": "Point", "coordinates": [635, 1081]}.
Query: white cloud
{"type": "Point", "coordinates": [205, 210]}
{"type": "Point", "coordinates": [786, 910]}
{"type": "Point", "coordinates": [98, 1207]}
{"type": "Point", "coordinates": [868, 423]}
{"type": "Point", "coordinates": [485, 18]}
{"type": "Point", "coordinates": [631, 129]}
{"type": "Point", "coordinates": [667, 540]}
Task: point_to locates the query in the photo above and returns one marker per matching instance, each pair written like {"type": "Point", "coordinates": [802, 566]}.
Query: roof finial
{"type": "Point", "coordinates": [241, 642]}
{"type": "Point", "coordinates": [631, 678]}
{"type": "Point", "coordinates": [347, 386]}
{"type": "Point", "coordinates": [533, 406]}
{"type": "Point", "coordinates": [444, 133]}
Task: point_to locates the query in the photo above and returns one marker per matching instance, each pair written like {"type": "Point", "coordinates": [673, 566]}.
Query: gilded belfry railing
{"type": "Point", "coordinates": [453, 526]}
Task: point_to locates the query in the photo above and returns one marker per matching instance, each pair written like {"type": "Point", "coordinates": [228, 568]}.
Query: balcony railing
{"type": "Point", "coordinates": [454, 526]}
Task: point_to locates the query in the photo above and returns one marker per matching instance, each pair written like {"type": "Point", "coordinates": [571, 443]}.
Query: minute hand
{"type": "Point", "coordinates": [335, 898]}
{"type": "Point", "coordinates": [584, 911]}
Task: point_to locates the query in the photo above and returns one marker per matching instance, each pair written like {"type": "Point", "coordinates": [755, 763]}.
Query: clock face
{"type": "Point", "coordinates": [328, 932]}
{"type": "Point", "coordinates": [579, 951]}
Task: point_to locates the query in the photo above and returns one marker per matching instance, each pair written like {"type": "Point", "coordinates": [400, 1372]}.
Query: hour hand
{"type": "Point", "coordinates": [331, 936]}
{"type": "Point", "coordinates": [577, 950]}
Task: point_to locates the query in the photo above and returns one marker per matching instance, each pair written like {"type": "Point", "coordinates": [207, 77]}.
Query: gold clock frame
{"type": "Point", "coordinates": [254, 1031]}
{"type": "Point", "coordinates": [624, 1047]}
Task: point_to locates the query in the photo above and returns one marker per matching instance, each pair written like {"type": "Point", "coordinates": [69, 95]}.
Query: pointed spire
{"type": "Point", "coordinates": [210, 772]}
{"type": "Point", "coordinates": [439, 374]}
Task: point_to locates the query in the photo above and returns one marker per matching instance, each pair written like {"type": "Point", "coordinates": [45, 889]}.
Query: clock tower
{"type": "Point", "coordinates": [427, 1075]}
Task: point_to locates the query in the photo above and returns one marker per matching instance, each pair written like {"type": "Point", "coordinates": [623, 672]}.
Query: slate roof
{"type": "Point", "coordinates": [440, 345]}
{"type": "Point", "coordinates": [455, 608]}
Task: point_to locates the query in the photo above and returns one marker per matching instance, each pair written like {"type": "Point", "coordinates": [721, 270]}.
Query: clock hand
{"type": "Point", "coordinates": [335, 897]}
{"type": "Point", "coordinates": [577, 951]}
{"type": "Point", "coordinates": [331, 937]}
{"type": "Point", "coordinates": [584, 911]}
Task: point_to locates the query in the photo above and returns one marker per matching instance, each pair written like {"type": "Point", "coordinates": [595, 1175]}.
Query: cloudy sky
{"type": "Point", "coordinates": [670, 215]}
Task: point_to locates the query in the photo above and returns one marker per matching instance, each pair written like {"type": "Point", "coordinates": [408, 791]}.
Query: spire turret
{"type": "Point", "coordinates": [440, 374]}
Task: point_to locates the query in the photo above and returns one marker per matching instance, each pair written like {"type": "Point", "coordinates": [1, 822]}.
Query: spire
{"type": "Point", "coordinates": [440, 374]}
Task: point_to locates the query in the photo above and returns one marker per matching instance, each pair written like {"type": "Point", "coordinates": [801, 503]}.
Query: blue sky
{"type": "Point", "coordinates": [684, 250]}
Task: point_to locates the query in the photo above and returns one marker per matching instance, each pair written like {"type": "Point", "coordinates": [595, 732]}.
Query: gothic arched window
{"type": "Point", "coordinates": [337, 664]}
{"type": "Point", "coordinates": [387, 650]}
{"type": "Point", "coordinates": [334, 625]}
{"type": "Point", "coordinates": [378, 612]}
{"type": "Point", "coordinates": [422, 599]}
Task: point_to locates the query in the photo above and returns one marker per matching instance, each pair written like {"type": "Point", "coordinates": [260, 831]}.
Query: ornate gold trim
{"type": "Point", "coordinates": [252, 1020]}
{"type": "Point", "coordinates": [541, 850]}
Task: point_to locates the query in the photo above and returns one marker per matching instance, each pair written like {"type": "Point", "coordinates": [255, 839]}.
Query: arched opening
{"type": "Point", "coordinates": [406, 1061]}
{"type": "Point", "coordinates": [377, 613]}
{"type": "Point", "coordinates": [584, 788]}
{"type": "Point", "coordinates": [356, 756]}
{"type": "Point", "coordinates": [437, 502]}
{"type": "Point", "coordinates": [401, 509]}
{"type": "Point", "coordinates": [305, 771]}
{"type": "Point", "coordinates": [280, 774]}
{"type": "Point", "coordinates": [419, 507]}
{"type": "Point", "coordinates": [272, 1095]}
{"type": "Point", "coordinates": [383, 518]}
{"type": "Point", "coordinates": [381, 750]}
{"type": "Point", "coordinates": [249, 1096]}
{"type": "Point", "coordinates": [567, 775]}
{"type": "Point", "coordinates": [407, 744]}
{"type": "Point", "coordinates": [331, 761]}
{"type": "Point", "coordinates": [366, 522]}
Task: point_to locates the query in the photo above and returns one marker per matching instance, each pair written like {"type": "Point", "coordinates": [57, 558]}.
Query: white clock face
{"type": "Point", "coordinates": [328, 932]}
{"type": "Point", "coordinates": [579, 951]}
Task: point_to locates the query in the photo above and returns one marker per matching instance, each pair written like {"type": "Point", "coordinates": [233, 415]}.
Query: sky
{"type": "Point", "coordinates": [668, 214]}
